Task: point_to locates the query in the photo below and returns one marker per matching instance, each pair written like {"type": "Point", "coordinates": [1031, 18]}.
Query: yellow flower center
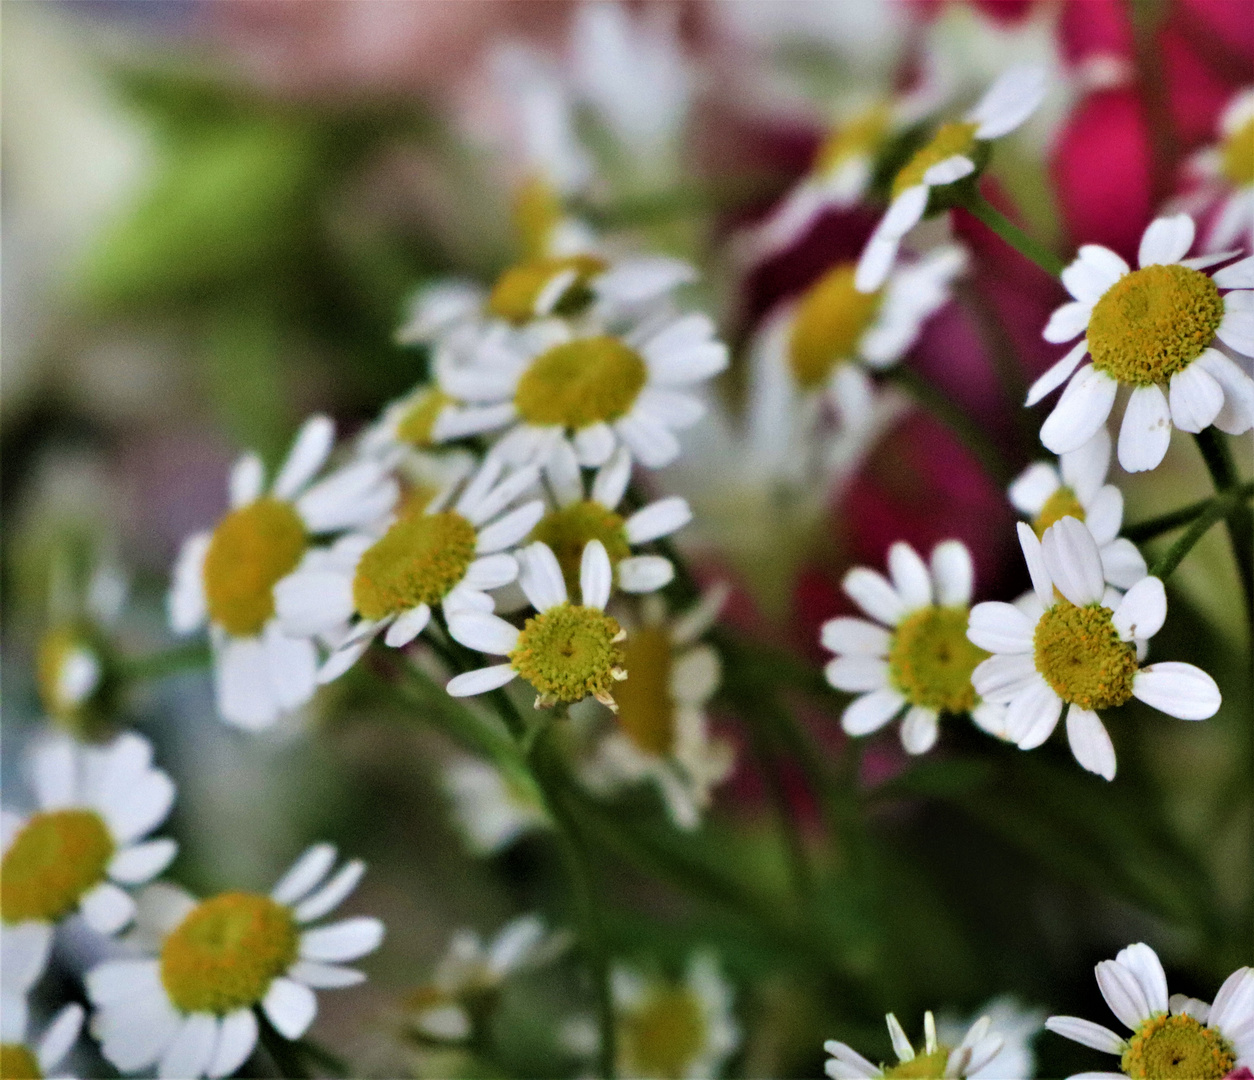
{"type": "Point", "coordinates": [570, 652]}
{"type": "Point", "coordinates": [860, 136]}
{"type": "Point", "coordinates": [226, 952]}
{"type": "Point", "coordinates": [931, 660]}
{"type": "Point", "coordinates": [417, 561]}
{"type": "Point", "coordinates": [568, 529]}
{"type": "Point", "coordinates": [18, 1063]}
{"type": "Point", "coordinates": [536, 213]}
{"type": "Point", "coordinates": [1154, 322]}
{"type": "Point", "coordinates": [518, 289]}
{"type": "Point", "coordinates": [646, 710]}
{"type": "Point", "coordinates": [1238, 155]}
{"type": "Point", "coordinates": [581, 383]}
{"type": "Point", "coordinates": [663, 1037]}
{"type": "Point", "coordinates": [63, 691]}
{"type": "Point", "coordinates": [1078, 651]}
{"type": "Point", "coordinates": [949, 140]}
{"type": "Point", "coordinates": [922, 1066]}
{"type": "Point", "coordinates": [830, 320]}
{"type": "Point", "coordinates": [1062, 503]}
{"type": "Point", "coordinates": [418, 421]}
{"type": "Point", "coordinates": [1177, 1048]}
{"type": "Point", "coordinates": [251, 550]}
{"type": "Point", "coordinates": [56, 857]}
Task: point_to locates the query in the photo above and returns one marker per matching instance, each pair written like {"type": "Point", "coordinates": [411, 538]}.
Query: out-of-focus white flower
{"type": "Point", "coordinates": [24, 1054]}
{"type": "Point", "coordinates": [1227, 172]}
{"type": "Point", "coordinates": [1016, 1025]}
{"type": "Point", "coordinates": [491, 808]}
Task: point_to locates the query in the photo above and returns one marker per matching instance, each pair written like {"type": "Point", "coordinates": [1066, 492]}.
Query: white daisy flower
{"type": "Point", "coordinates": [1016, 1025]}
{"type": "Point", "coordinates": [22, 1054]}
{"type": "Point", "coordinates": [190, 1009]}
{"type": "Point", "coordinates": [492, 809]}
{"type": "Point", "coordinates": [566, 651]}
{"type": "Point", "coordinates": [957, 151]}
{"type": "Point", "coordinates": [389, 579]}
{"type": "Point", "coordinates": [227, 577]}
{"type": "Point", "coordinates": [1145, 328]}
{"type": "Point", "coordinates": [86, 840]}
{"type": "Point", "coordinates": [661, 732]}
{"type": "Point", "coordinates": [594, 389]}
{"type": "Point", "coordinates": [1227, 170]}
{"type": "Point", "coordinates": [915, 657]}
{"type": "Point", "coordinates": [1076, 487]}
{"type": "Point", "coordinates": [1075, 643]}
{"type": "Point", "coordinates": [981, 1044]}
{"type": "Point", "coordinates": [1174, 1036]}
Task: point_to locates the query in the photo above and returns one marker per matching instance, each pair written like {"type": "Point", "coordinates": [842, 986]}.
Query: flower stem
{"type": "Point", "coordinates": [284, 1054]}
{"type": "Point", "coordinates": [968, 196]}
{"type": "Point", "coordinates": [171, 661]}
{"type": "Point", "coordinates": [1214, 509]}
{"type": "Point", "coordinates": [1174, 519]}
{"type": "Point", "coordinates": [1240, 520]}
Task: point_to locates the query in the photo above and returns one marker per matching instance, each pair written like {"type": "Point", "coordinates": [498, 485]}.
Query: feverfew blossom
{"type": "Point", "coordinates": [1227, 170]}
{"type": "Point", "coordinates": [980, 1046]}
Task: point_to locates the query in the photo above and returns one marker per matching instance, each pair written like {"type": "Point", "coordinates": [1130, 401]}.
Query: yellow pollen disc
{"type": "Point", "coordinates": [226, 952]}
{"type": "Point", "coordinates": [646, 710]}
{"type": "Point", "coordinates": [418, 422]}
{"type": "Point", "coordinates": [518, 289]}
{"type": "Point", "coordinates": [1177, 1048]}
{"type": "Point", "coordinates": [251, 550]}
{"type": "Point", "coordinates": [931, 660]}
{"type": "Point", "coordinates": [1154, 322]}
{"type": "Point", "coordinates": [1062, 503]}
{"type": "Point", "coordinates": [861, 135]}
{"type": "Point", "coordinates": [568, 529]}
{"type": "Point", "coordinates": [581, 383]}
{"type": "Point", "coordinates": [663, 1037]}
{"type": "Point", "coordinates": [417, 561]}
{"type": "Point", "coordinates": [830, 321]}
{"type": "Point", "coordinates": [56, 857]}
{"type": "Point", "coordinates": [58, 648]}
{"type": "Point", "coordinates": [569, 652]}
{"type": "Point", "coordinates": [1238, 155]}
{"type": "Point", "coordinates": [18, 1063]}
{"type": "Point", "coordinates": [1078, 651]}
{"type": "Point", "coordinates": [949, 140]}
{"type": "Point", "coordinates": [536, 212]}
{"type": "Point", "coordinates": [922, 1067]}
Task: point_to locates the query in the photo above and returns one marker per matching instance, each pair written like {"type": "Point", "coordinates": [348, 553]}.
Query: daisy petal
{"type": "Point", "coordinates": [1084, 470]}
{"type": "Point", "coordinates": [332, 894]}
{"type": "Point", "coordinates": [245, 483]}
{"type": "Point", "coordinates": [24, 949]}
{"type": "Point", "coordinates": [291, 667]}
{"type": "Point", "coordinates": [877, 259]}
{"type": "Point", "coordinates": [344, 658]}
{"type": "Point", "coordinates": [60, 1035]}
{"type": "Point", "coordinates": [871, 711]}
{"type": "Point", "coordinates": [1000, 628]}
{"type": "Point", "coordinates": [189, 1054]}
{"type": "Point", "coordinates": [910, 577]}
{"type": "Point", "coordinates": [141, 862]}
{"type": "Point", "coordinates": [1082, 409]}
{"type": "Point", "coordinates": [242, 678]}
{"type": "Point", "coordinates": [610, 484]}
{"type": "Point", "coordinates": [54, 773]}
{"type": "Point", "coordinates": [596, 576]}
{"type": "Point", "coordinates": [1233, 1006]}
{"type": "Point", "coordinates": [644, 573]}
{"type": "Point", "coordinates": [1143, 962]}
{"type": "Point", "coordinates": [1032, 715]}
{"type": "Point", "coordinates": [1180, 690]}
{"type": "Point", "coordinates": [314, 601]}
{"type": "Point", "coordinates": [483, 632]}
{"type": "Point", "coordinates": [852, 1065]}
{"type": "Point", "coordinates": [1000, 679]}
{"type": "Point", "coordinates": [306, 457]}
{"type": "Point", "coordinates": [1073, 561]}
{"type": "Point", "coordinates": [855, 636]}
{"type": "Point", "coordinates": [1237, 415]}
{"type": "Point", "coordinates": [407, 627]}
{"type": "Point", "coordinates": [1086, 1033]}
{"type": "Point", "coordinates": [594, 445]}
{"type": "Point", "coordinates": [305, 874]}
{"type": "Point", "coordinates": [919, 730]}
{"type": "Point", "coordinates": [348, 939]}
{"type": "Point", "coordinates": [1090, 742]}
{"type": "Point", "coordinates": [490, 572]}
{"type": "Point", "coordinates": [1103, 513]}
{"type": "Point", "coordinates": [948, 171]}
{"type": "Point", "coordinates": [1167, 240]}
{"type": "Point", "coordinates": [1142, 611]}
{"type": "Point", "coordinates": [657, 519]}
{"type": "Point", "coordinates": [106, 908]}
{"type": "Point", "coordinates": [901, 1045]}
{"type": "Point", "coordinates": [1058, 374]}
{"type": "Point", "coordinates": [507, 531]}
{"type": "Point", "coordinates": [874, 595]}
{"type": "Point", "coordinates": [1012, 98]}
{"type": "Point", "coordinates": [953, 573]}
{"type": "Point", "coordinates": [236, 1039]}
{"type": "Point", "coordinates": [1146, 430]}
{"type": "Point", "coordinates": [1240, 275]}
{"type": "Point", "coordinates": [540, 577]}
{"type": "Point", "coordinates": [1067, 322]}
{"type": "Point", "coordinates": [1030, 544]}
{"type": "Point", "coordinates": [1123, 993]}
{"type": "Point", "coordinates": [480, 681]}
{"type": "Point", "coordinates": [186, 606]}
{"type": "Point", "coordinates": [653, 445]}
{"type": "Point", "coordinates": [1094, 270]}
{"type": "Point", "coordinates": [290, 1007]}
{"type": "Point", "coordinates": [324, 976]}
{"type": "Point", "coordinates": [857, 674]}
{"type": "Point", "coordinates": [1122, 564]}
{"type": "Point", "coordinates": [1032, 488]}
{"type": "Point", "coordinates": [1195, 399]}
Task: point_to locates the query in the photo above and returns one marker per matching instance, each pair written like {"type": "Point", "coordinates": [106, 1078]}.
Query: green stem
{"type": "Point", "coordinates": [284, 1053]}
{"type": "Point", "coordinates": [969, 198]}
{"type": "Point", "coordinates": [1174, 519]}
{"type": "Point", "coordinates": [1221, 506]}
{"type": "Point", "coordinates": [190, 657]}
{"type": "Point", "coordinates": [700, 196]}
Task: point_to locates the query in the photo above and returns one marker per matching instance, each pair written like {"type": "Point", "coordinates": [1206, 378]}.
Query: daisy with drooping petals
{"type": "Point", "coordinates": [915, 656]}
{"type": "Point", "coordinates": [492, 809]}
{"type": "Point", "coordinates": [227, 577]}
{"type": "Point", "coordinates": [661, 731]}
{"type": "Point", "coordinates": [1076, 644]}
{"type": "Point", "coordinates": [191, 1008]}
{"type": "Point", "coordinates": [387, 581]}
{"type": "Point", "coordinates": [566, 651]}
{"type": "Point", "coordinates": [1076, 487]}
{"type": "Point", "coordinates": [85, 842]}
{"type": "Point", "coordinates": [1227, 171]}
{"type": "Point", "coordinates": [979, 1046]}
{"type": "Point", "coordinates": [956, 151]}
{"type": "Point", "coordinates": [1145, 329]}
{"type": "Point", "coordinates": [24, 1055]}
{"type": "Point", "coordinates": [1173, 1038]}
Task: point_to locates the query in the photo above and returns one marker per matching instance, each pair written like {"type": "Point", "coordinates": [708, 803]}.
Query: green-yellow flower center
{"type": "Point", "coordinates": [1154, 322]}
{"type": "Point", "coordinates": [1238, 155]}
{"type": "Point", "coordinates": [519, 289]}
{"type": "Point", "coordinates": [830, 320]}
{"type": "Point", "coordinates": [646, 710]}
{"type": "Point", "coordinates": [68, 671]}
{"type": "Point", "coordinates": [417, 423]}
{"type": "Point", "coordinates": [1062, 503]}
{"type": "Point", "coordinates": [18, 1063]}
{"type": "Point", "coordinates": [931, 660]}
{"type": "Point", "coordinates": [583, 382]}
{"type": "Point", "coordinates": [226, 952]}
{"type": "Point", "coordinates": [949, 140]}
{"type": "Point", "coordinates": [1177, 1048]}
{"type": "Point", "coordinates": [251, 550]}
{"type": "Point", "coordinates": [663, 1036]}
{"type": "Point", "coordinates": [1078, 651]}
{"type": "Point", "coordinates": [570, 652]}
{"type": "Point", "coordinates": [921, 1066]}
{"type": "Point", "coordinates": [568, 529]}
{"type": "Point", "coordinates": [56, 857]}
{"type": "Point", "coordinates": [860, 136]}
{"type": "Point", "coordinates": [417, 561]}
{"type": "Point", "coordinates": [536, 213]}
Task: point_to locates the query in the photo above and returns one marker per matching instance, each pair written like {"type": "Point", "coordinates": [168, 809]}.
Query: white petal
{"type": "Point", "coordinates": [854, 1065]}
{"type": "Point", "coordinates": [1240, 275]}
{"type": "Point", "coordinates": [1167, 240]}
{"type": "Point", "coordinates": [247, 477]}
{"type": "Point", "coordinates": [561, 471]}
{"type": "Point", "coordinates": [856, 674]}
{"type": "Point", "coordinates": [1073, 561]}
{"type": "Point", "coordinates": [953, 573]}
{"type": "Point", "coordinates": [305, 874]}
{"type": "Point", "coordinates": [1057, 374]}
{"type": "Point", "coordinates": [309, 451]}
{"type": "Point", "coordinates": [644, 573]}
{"type": "Point", "coordinates": [1180, 690]}
{"type": "Point", "coordinates": [507, 531]}
{"type": "Point", "coordinates": [901, 1045]}
{"type": "Point", "coordinates": [290, 1007]}
{"type": "Point", "coordinates": [1122, 564]}
{"type": "Point", "coordinates": [191, 1050]}
{"type": "Point", "coordinates": [596, 576]}
{"type": "Point", "coordinates": [1082, 409]}
{"type": "Point", "coordinates": [292, 666]}
{"type": "Point", "coordinates": [633, 280]}
{"type": "Point", "coordinates": [332, 894]}
{"type": "Point", "coordinates": [141, 862]}
{"type": "Point", "coordinates": [349, 498]}
{"type": "Point", "coordinates": [1103, 514]}
{"type": "Point", "coordinates": [490, 572]}
{"type": "Point", "coordinates": [1033, 487]}
{"type": "Point", "coordinates": [1067, 322]}
{"type": "Point", "coordinates": [242, 677]}
{"type": "Point", "coordinates": [857, 636]}
{"type": "Point", "coordinates": [1032, 715]}
{"type": "Point", "coordinates": [1187, 1006]}
{"type": "Point", "coordinates": [1094, 270]}
{"type": "Point", "coordinates": [695, 675]}
{"type": "Point", "coordinates": [59, 1036]}
{"type": "Point", "coordinates": [324, 976]}
{"type": "Point", "coordinates": [1195, 399]}
{"type": "Point", "coordinates": [54, 773]}
{"type": "Point", "coordinates": [653, 445]}
{"type": "Point", "coordinates": [480, 681]}
{"type": "Point", "coordinates": [134, 1036]}
{"type": "Point", "coordinates": [612, 479]}
{"type": "Point", "coordinates": [185, 603]}
{"type": "Point", "coordinates": [24, 949]}
{"type": "Point", "coordinates": [348, 939]}
{"type": "Point", "coordinates": [910, 577]}
{"type": "Point", "coordinates": [671, 408]}
{"type": "Point", "coordinates": [1000, 628]}
{"type": "Point", "coordinates": [540, 577]}
{"type": "Point", "coordinates": [919, 730]}
{"type": "Point", "coordinates": [407, 626]}
{"type": "Point", "coordinates": [1143, 962]}
{"type": "Point", "coordinates": [876, 261]}
{"type": "Point", "coordinates": [106, 908]}
{"type": "Point", "coordinates": [1142, 611]}
{"type": "Point", "coordinates": [1123, 993]}
{"type": "Point", "coordinates": [1237, 415]}
{"type": "Point", "coordinates": [1146, 430]}
{"type": "Point", "coordinates": [1090, 742]}
{"type": "Point", "coordinates": [1233, 1006]}
{"type": "Point", "coordinates": [236, 1039]}
{"type": "Point", "coordinates": [947, 171]}
{"type": "Point", "coordinates": [1086, 1033]}
{"type": "Point", "coordinates": [1084, 470]}
{"type": "Point", "coordinates": [871, 711]}
{"type": "Point", "coordinates": [500, 496]}
{"type": "Point", "coordinates": [874, 595]}
{"type": "Point", "coordinates": [314, 601]}
{"type": "Point", "coordinates": [903, 214]}
{"type": "Point", "coordinates": [1034, 556]}
{"type": "Point", "coordinates": [346, 656]}
{"type": "Point", "coordinates": [660, 518]}
{"type": "Point", "coordinates": [484, 632]}
{"type": "Point", "coordinates": [1012, 98]}
{"type": "Point", "coordinates": [1000, 679]}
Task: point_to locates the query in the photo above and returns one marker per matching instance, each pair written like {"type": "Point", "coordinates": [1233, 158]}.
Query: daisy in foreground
{"type": "Point", "coordinates": [915, 657]}
{"type": "Point", "coordinates": [389, 580]}
{"type": "Point", "coordinates": [970, 1058]}
{"type": "Point", "coordinates": [96, 804]}
{"type": "Point", "coordinates": [1176, 1038]}
{"type": "Point", "coordinates": [566, 651]}
{"type": "Point", "coordinates": [21, 1055]}
{"type": "Point", "coordinates": [956, 151]}
{"type": "Point", "coordinates": [1074, 643]}
{"type": "Point", "coordinates": [1148, 329]}
{"type": "Point", "coordinates": [190, 1009]}
{"type": "Point", "coordinates": [227, 577]}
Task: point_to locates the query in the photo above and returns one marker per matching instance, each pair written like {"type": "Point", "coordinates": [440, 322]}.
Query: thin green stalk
{"type": "Point", "coordinates": [968, 196]}
{"type": "Point", "coordinates": [1240, 520]}
{"type": "Point", "coordinates": [1174, 519]}
{"type": "Point", "coordinates": [190, 657]}
{"type": "Point", "coordinates": [1221, 506]}
{"type": "Point", "coordinates": [699, 196]}
{"type": "Point", "coordinates": [284, 1053]}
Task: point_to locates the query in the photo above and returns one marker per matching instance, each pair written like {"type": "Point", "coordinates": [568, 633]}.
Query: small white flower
{"type": "Point", "coordinates": [227, 577]}
{"type": "Point", "coordinates": [1203, 1042]}
{"type": "Point", "coordinates": [1076, 487]}
{"type": "Point", "coordinates": [955, 152]}
{"type": "Point", "coordinates": [1016, 1025]}
{"type": "Point", "coordinates": [25, 1055]}
{"type": "Point", "coordinates": [1075, 643]}
{"type": "Point", "coordinates": [190, 1009]}
{"type": "Point", "coordinates": [1227, 171]}
{"type": "Point", "coordinates": [492, 809]}
{"type": "Point", "coordinates": [915, 657]}
{"type": "Point", "coordinates": [1145, 329]}
{"type": "Point", "coordinates": [388, 580]}
{"type": "Point", "coordinates": [98, 802]}
{"type": "Point", "coordinates": [982, 1044]}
